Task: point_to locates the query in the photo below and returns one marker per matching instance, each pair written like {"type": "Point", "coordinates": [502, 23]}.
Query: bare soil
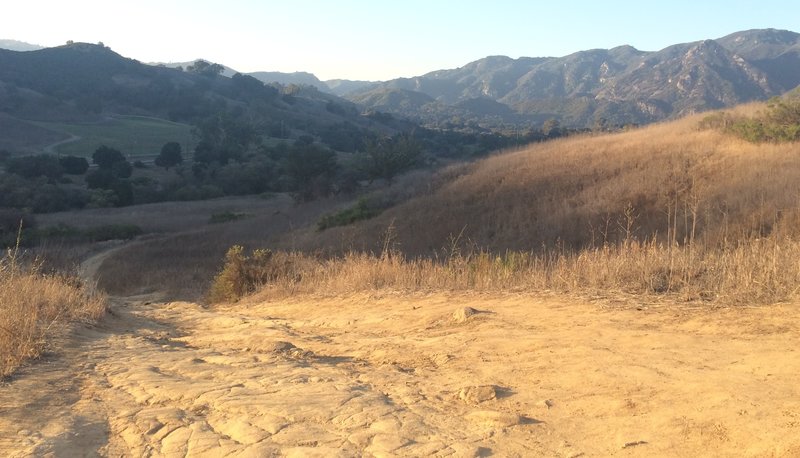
{"type": "Point", "coordinates": [422, 375]}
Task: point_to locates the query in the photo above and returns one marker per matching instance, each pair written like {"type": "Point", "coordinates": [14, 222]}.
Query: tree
{"type": "Point", "coordinates": [105, 157]}
{"type": "Point", "coordinates": [222, 138]}
{"type": "Point", "coordinates": [390, 156]}
{"type": "Point", "coordinates": [204, 68]}
{"type": "Point", "coordinates": [170, 155]}
{"type": "Point", "coordinates": [311, 168]}
{"type": "Point", "coordinates": [122, 169]}
{"type": "Point", "coordinates": [74, 165]}
{"type": "Point", "coordinates": [35, 166]}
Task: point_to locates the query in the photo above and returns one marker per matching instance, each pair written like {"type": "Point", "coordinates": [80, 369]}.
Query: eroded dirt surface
{"type": "Point", "coordinates": [438, 375]}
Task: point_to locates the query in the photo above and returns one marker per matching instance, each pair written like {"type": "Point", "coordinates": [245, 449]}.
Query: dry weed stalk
{"type": "Point", "coordinates": [753, 271]}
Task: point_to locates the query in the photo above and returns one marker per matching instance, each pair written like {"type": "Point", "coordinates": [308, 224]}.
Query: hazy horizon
{"type": "Point", "coordinates": [361, 40]}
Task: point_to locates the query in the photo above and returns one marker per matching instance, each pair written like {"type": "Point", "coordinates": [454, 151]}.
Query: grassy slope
{"type": "Point", "coordinates": [17, 135]}
{"type": "Point", "coordinates": [575, 192]}
{"type": "Point", "coordinates": [133, 135]}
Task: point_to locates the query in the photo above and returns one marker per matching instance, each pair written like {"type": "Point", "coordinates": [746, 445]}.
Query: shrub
{"type": "Point", "coordinates": [780, 123]}
{"type": "Point", "coordinates": [243, 274]}
{"type": "Point", "coordinates": [360, 211]}
{"type": "Point", "coordinates": [36, 166]}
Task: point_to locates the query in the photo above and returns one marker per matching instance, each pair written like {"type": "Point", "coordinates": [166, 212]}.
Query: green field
{"type": "Point", "coordinates": [133, 135]}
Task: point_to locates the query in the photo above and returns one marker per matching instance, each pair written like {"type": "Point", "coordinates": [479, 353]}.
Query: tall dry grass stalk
{"type": "Point", "coordinates": [754, 271]}
{"type": "Point", "coordinates": [34, 305]}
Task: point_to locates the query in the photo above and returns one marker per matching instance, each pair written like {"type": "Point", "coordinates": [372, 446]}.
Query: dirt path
{"type": "Point", "coordinates": [413, 376]}
{"type": "Point", "coordinates": [51, 148]}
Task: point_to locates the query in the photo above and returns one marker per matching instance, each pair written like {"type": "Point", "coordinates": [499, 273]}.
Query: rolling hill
{"type": "Point", "coordinates": [88, 83]}
{"type": "Point", "coordinates": [574, 193]}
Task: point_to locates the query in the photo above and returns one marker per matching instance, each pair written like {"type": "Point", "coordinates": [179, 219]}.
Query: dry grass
{"type": "Point", "coordinates": [678, 181]}
{"type": "Point", "coordinates": [33, 306]}
{"type": "Point", "coordinates": [669, 209]}
{"type": "Point", "coordinates": [757, 271]}
{"type": "Point", "coordinates": [181, 265]}
{"type": "Point", "coordinates": [666, 209]}
{"type": "Point", "coordinates": [183, 260]}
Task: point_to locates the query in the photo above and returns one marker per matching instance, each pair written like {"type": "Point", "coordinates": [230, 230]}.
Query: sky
{"type": "Point", "coordinates": [374, 39]}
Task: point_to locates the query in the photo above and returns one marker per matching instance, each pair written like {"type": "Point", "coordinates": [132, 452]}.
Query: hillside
{"type": "Point", "coordinates": [229, 136]}
{"type": "Point", "coordinates": [84, 81]}
{"type": "Point", "coordinates": [574, 193]}
{"type": "Point", "coordinates": [617, 86]}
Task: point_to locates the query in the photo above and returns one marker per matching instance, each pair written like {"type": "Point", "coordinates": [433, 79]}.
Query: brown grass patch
{"type": "Point", "coordinates": [756, 271]}
{"type": "Point", "coordinates": [33, 306]}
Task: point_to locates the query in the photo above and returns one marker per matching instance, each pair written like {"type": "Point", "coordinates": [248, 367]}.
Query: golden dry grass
{"type": "Point", "coordinates": [33, 306]}
{"type": "Point", "coordinates": [668, 209]}
{"type": "Point", "coordinates": [757, 271]}
{"type": "Point", "coordinates": [575, 192]}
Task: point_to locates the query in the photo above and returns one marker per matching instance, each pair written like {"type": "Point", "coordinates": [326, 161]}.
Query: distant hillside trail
{"type": "Point", "coordinates": [51, 148]}
{"type": "Point", "coordinates": [425, 375]}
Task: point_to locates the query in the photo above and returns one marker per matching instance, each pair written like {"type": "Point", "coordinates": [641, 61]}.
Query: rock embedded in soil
{"type": "Point", "coordinates": [494, 418]}
{"type": "Point", "coordinates": [463, 314]}
{"type": "Point", "coordinates": [478, 394]}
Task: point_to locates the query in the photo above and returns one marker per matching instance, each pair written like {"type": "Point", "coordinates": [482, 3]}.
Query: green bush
{"type": "Point", "coordinates": [779, 124]}
{"type": "Point", "coordinates": [360, 211]}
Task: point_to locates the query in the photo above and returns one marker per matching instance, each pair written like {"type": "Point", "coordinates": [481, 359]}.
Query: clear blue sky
{"type": "Point", "coordinates": [377, 40]}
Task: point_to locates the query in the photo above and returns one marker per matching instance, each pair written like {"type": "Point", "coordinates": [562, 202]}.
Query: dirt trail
{"type": "Point", "coordinates": [437, 375]}
{"type": "Point", "coordinates": [51, 148]}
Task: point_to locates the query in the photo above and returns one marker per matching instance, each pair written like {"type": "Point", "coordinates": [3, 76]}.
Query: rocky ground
{"type": "Point", "coordinates": [423, 375]}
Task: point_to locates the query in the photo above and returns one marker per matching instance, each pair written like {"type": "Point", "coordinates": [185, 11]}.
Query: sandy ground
{"type": "Point", "coordinates": [413, 376]}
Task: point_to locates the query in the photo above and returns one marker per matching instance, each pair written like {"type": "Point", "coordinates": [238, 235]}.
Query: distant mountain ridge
{"type": "Point", "coordinates": [15, 45]}
{"type": "Point", "coordinates": [284, 78]}
{"type": "Point", "coordinates": [82, 82]}
{"type": "Point", "coordinates": [619, 86]}
{"type": "Point", "coordinates": [615, 86]}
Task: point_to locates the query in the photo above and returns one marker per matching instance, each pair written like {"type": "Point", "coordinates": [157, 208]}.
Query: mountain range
{"type": "Point", "coordinates": [615, 86]}
{"type": "Point", "coordinates": [15, 45]}
{"type": "Point", "coordinates": [618, 86]}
